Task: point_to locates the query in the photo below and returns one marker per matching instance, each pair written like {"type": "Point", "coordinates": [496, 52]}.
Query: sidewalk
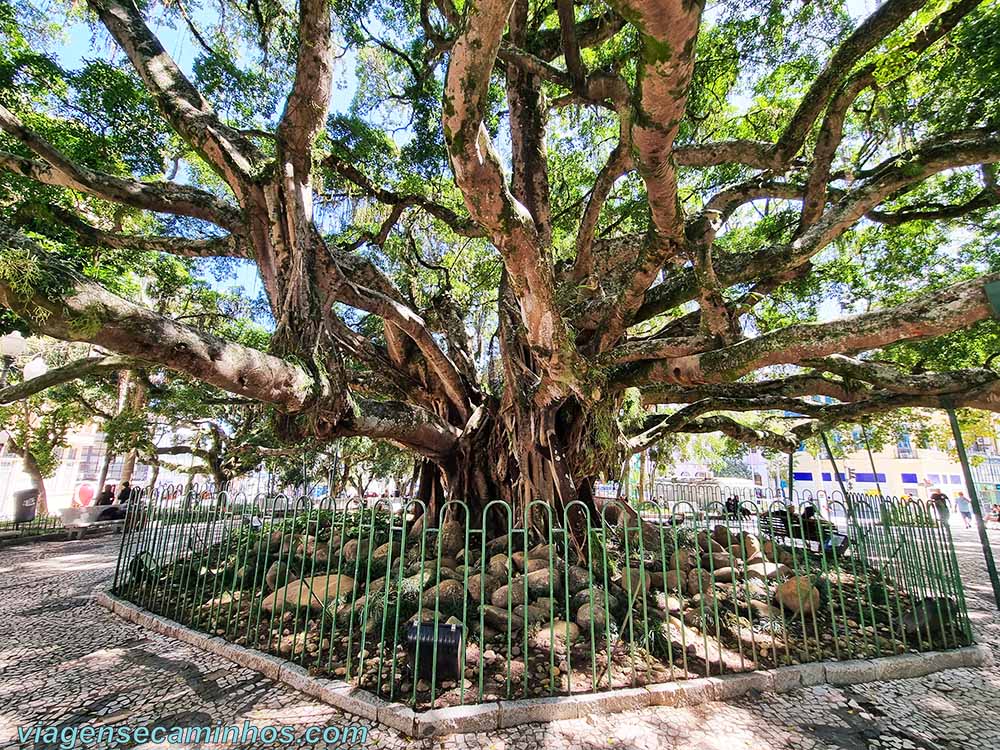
{"type": "Point", "coordinates": [65, 661]}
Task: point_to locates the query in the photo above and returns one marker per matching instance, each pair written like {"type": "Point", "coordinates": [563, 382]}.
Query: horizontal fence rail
{"type": "Point", "coordinates": [516, 606]}
{"type": "Point", "coordinates": [11, 528]}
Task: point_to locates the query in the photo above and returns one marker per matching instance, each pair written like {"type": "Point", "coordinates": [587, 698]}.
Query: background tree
{"type": "Point", "coordinates": [533, 219]}
{"type": "Point", "coordinates": [361, 461]}
{"type": "Point", "coordinates": [38, 422]}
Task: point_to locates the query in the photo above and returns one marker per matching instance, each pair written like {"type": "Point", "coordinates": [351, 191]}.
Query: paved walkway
{"type": "Point", "coordinates": [65, 661]}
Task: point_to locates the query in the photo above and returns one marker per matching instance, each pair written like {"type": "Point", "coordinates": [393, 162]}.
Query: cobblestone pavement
{"type": "Point", "coordinates": [65, 661]}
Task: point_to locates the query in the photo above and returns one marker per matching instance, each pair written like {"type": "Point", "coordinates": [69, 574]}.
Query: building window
{"type": "Point", "coordinates": [909, 478]}
{"type": "Point", "coordinates": [90, 460]}
{"type": "Point", "coordinates": [869, 477]}
{"type": "Point", "coordinates": [904, 447]}
{"type": "Point", "coordinates": [982, 445]}
{"type": "Point", "coordinates": [934, 478]}
{"type": "Point", "coordinates": [955, 479]}
{"type": "Point", "coordinates": [802, 476]}
{"type": "Point", "coordinates": [115, 469]}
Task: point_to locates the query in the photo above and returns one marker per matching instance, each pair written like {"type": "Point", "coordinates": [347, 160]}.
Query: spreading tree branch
{"type": "Point", "coordinates": [416, 328]}
{"type": "Point", "coordinates": [480, 177]}
{"type": "Point", "coordinates": [75, 370]}
{"type": "Point", "coordinates": [870, 33]}
{"type": "Point", "coordinates": [59, 171]}
{"type": "Point", "coordinates": [548, 43]}
{"type": "Point", "coordinates": [229, 152]}
{"type": "Point", "coordinates": [718, 423]}
{"type": "Point", "coordinates": [460, 225]}
{"type": "Point", "coordinates": [667, 35]}
{"type": "Point", "coordinates": [229, 246]}
{"type": "Point", "coordinates": [618, 163]}
{"type": "Point", "coordinates": [308, 103]}
{"type": "Point", "coordinates": [893, 177]}
{"type": "Point", "coordinates": [778, 156]}
{"type": "Point", "coordinates": [84, 311]}
{"type": "Point", "coordinates": [932, 314]}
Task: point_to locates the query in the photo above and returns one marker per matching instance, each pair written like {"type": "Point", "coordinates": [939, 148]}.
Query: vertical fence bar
{"type": "Point", "coordinates": [848, 501]}
{"type": "Point", "coordinates": [791, 474]}
{"type": "Point", "coordinates": [871, 460]}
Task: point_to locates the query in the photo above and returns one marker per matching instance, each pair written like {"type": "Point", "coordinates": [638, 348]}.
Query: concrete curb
{"type": "Point", "coordinates": [19, 541]}
{"type": "Point", "coordinates": [488, 716]}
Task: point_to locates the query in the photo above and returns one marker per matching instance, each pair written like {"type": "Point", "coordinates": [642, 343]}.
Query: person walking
{"type": "Point", "coordinates": [964, 507]}
{"type": "Point", "coordinates": [940, 502]}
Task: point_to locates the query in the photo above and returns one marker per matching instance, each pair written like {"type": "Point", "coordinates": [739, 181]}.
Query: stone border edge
{"type": "Point", "coordinates": [498, 715]}
{"type": "Point", "coordinates": [19, 541]}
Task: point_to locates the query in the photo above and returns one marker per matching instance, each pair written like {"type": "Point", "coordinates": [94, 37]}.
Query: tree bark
{"type": "Point", "coordinates": [37, 481]}
{"type": "Point", "coordinates": [135, 394]}
{"type": "Point", "coordinates": [128, 466]}
{"type": "Point", "coordinates": [154, 474]}
{"type": "Point", "coordinates": [105, 466]}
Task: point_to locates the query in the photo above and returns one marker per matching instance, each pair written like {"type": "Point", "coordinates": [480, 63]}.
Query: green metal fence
{"type": "Point", "coordinates": [43, 524]}
{"type": "Point", "coordinates": [517, 607]}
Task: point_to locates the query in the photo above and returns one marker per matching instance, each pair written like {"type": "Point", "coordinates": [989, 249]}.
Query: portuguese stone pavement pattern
{"type": "Point", "coordinates": [65, 661]}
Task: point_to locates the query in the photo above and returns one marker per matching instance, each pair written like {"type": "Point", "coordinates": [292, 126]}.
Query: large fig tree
{"type": "Point", "coordinates": [534, 220]}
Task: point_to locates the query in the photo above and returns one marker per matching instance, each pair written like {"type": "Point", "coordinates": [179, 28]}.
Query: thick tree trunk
{"type": "Point", "coordinates": [221, 480]}
{"type": "Point", "coordinates": [37, 481]}
{"type": "Point", "coordinates": [532, 444]}
{"type": "Point", "coordinates": [343, 479]}
{"type": "Point", "coordinates": [524, 448]}
{"type": "Point", "coordinates": [128, 466]}
{"type": "Point", "coordinates": [105, 466]}
{"type": "Point", "coordinates": [430, 489]}
{"type": "Point", "coordinates": [135, 395]}
{"type": "Point", "coordinates": [543, 459]}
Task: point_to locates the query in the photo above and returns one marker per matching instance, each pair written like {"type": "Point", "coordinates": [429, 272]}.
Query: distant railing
{"type": "Point", "coordinates": [501, 605]}
{"type": "Point", "coordinates": [37, 526]}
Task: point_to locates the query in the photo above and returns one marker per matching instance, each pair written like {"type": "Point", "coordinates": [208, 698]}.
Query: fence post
{"type": "Point", "coordinates": [791, 474]}
{"type": "Point", "coordinates": [984, 540]}
{"type": "Point", "coordinates": [871, 460]}
{"type": "Point", "coordinates": [848, 502]}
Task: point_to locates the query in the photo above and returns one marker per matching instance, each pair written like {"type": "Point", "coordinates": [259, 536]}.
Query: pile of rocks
{"type": "Point", "coordinates": [691, 604]}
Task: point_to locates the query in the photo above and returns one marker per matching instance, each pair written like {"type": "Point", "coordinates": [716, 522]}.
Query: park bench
{"type": "Point", "coordinates": [78, 522]}
{"type": "Point", "coordinates": [813, 534]}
